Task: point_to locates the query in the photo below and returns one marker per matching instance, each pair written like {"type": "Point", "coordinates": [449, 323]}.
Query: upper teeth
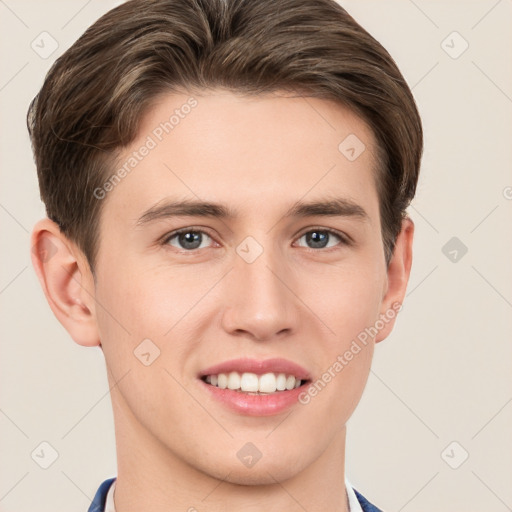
{"type": "Point", "coordinates": [250, 382]}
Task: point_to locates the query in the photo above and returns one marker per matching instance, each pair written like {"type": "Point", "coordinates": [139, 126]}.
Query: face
{"type": "Point", "coordinates": [278, 274]}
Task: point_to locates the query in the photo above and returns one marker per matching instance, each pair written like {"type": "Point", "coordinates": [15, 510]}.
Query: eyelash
{"type": "Point", "coordinates": [344, 239]}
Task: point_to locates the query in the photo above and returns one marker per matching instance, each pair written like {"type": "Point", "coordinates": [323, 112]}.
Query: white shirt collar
{"type": "Point", "coordinates": [353, 503]}
{"type": "Point", "coordinates": [109, 503]}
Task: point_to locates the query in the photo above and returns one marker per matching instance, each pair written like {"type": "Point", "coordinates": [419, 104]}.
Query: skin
{"type": "Point", "coordinates": [176, 447]}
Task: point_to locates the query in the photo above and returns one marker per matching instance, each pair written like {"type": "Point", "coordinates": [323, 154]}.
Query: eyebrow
{"type": "Point", "coordinates": [334, 207]}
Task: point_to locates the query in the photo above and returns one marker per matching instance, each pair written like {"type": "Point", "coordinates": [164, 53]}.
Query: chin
{"type": "Point", "coordinates": [263, 472]}
{"type": "Point", "coordinates": [259, 476]}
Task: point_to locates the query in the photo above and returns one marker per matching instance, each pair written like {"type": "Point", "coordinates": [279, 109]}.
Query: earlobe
{"type": "Point", "coordinates": [66, 281]}
{"type": "Point", "coordinates": [398, 272]}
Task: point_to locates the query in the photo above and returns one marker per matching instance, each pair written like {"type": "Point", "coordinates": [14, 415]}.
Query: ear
{"type": "Point", "coordinates": [398, 273]}
{"type": "Point", "coordinates": [67, 281]}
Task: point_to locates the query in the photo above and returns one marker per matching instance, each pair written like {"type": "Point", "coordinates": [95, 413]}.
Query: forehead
{"type": "Point", "coordinates": [267, 150]}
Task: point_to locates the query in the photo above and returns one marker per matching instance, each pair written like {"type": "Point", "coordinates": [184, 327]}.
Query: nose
{"type": "Point", "coordinates": [260, 302]}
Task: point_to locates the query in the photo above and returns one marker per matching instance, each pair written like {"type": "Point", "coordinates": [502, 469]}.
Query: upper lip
{"type": "Point", "coordinates": [247, 365]}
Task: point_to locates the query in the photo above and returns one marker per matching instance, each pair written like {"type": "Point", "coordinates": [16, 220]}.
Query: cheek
{"type": "Point", "coordinates": [349, 306]}
{"type": "Point", "coordinates": [347, 300]}
{"type": "Point", "coordinates": [148, 315]}
{"type": "Point", "coordinates": [136, 324]}
{"type": "Point", "coordinates": [145, 303]}
{"type": "Point", "coordinates": [356, 309]}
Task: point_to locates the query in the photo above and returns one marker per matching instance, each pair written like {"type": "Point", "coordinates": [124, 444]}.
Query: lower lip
{"type": "Point", "coordinates": [256, 405]}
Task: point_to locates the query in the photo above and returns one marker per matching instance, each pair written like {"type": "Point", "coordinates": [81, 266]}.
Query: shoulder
{"type": "Point", "coordinates": [98, 503]}
{"type": "Point", "coordinates": [365, 504]}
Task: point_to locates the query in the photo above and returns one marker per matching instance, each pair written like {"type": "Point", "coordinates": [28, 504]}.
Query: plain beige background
{"type": "Point", "coordinates": [433, 430]}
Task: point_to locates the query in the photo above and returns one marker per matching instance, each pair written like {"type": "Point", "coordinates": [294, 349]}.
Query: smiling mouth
{"type": "Point", "coordinates": [254, 384]}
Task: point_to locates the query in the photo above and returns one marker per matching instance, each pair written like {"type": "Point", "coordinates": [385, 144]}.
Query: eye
{"type": "Point", "coordinates": [322, 238]}
{"type": "Point", "coordinates": [188, 239]}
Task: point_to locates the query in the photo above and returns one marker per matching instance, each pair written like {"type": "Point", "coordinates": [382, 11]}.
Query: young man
{"type": "Point", "coordinates": [226, 184]}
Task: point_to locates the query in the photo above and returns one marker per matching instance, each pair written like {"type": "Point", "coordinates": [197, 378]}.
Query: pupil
{"type": "Point", "coordinates": [318, 239]}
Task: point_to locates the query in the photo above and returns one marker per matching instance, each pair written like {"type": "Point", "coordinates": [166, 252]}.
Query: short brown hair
{"type": "Point", "coordinates": [96, 93]}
